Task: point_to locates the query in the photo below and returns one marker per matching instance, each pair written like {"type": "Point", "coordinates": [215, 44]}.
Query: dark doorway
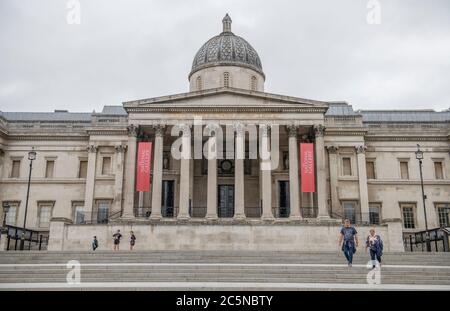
{"type": "Point", "coordinates": [226, 201]}
{"type": "Point", "coordinates": [167, 208]}
{"type": "Point", "coordinates": [284, 204]}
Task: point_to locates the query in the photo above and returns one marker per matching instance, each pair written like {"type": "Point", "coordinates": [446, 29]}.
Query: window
{"type": "Point", "coordinates": [374, 213]}
{"type": "Point", "coordinates": [78, 212]}
{"type": "Point", "coordinates": [226, 79]}
{"type": "Point", "coordinates": [408, 216]}
{"type": "Point", "coordinates": [45, 213]}
{"type": "Point", "coordinates": [15, 169]}
{"type": "Point", "coordinates": [443, 214]}
{"type": "Point", "coordinates": [438, 171]}
{"type": "Point", "coordinates": [106, 166]}
{"type": "Point", "coordinates": [82, 172]}
{"type": "Point", "coordinates": [346, 167]}
{"type": "Point", "coordinates": [11, 215]}
{"type": "Point", "coordinates": [350, 211]}
{"type": "Point", "coordinates": [370, 169]}
{"type": "Point", "coordinates": [404, 172]}
{"type": "Point", "coordinates": [103, 211]}
{"type": "Point", "coordinates": [49, 168]}
{"type": "Point", "coordinates": [253, 83]}
{"type": "Point", "coordinates": [199, 83]}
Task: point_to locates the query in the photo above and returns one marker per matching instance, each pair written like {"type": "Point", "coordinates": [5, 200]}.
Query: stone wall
{"type": "Point", "coordinates": [264, 237]}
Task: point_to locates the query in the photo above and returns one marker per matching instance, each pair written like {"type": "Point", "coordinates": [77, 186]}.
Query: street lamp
{"type": "Point", "coordinates": [31, 157]}
{"type": "Point", "coordinates": [419, 156]}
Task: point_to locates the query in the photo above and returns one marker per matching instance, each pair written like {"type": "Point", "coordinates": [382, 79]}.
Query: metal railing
{"type": "Point", "coordinates": [417, 241]}
{"type": "Point", "coordinates": [32, 239]}
{"type": "Point", "coordinates": [198, 211]}
{"type": "Point", "coordinates": [95, 220]}
{"type": "Point", "coordinates": [309, 212]}
{"type": "Point", "coordinates": [253, 211]}
{"type": "Point", "coordinates": [357, 218]}
{"type": "Point", "coordinates": [142, 212]}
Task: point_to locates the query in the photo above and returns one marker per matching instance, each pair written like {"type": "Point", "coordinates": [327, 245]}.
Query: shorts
{"type": "Point", "coordinates": [116, 242]}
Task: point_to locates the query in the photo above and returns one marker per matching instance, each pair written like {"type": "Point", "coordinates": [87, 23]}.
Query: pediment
{"type": "Point", "coordinates": [225, 99]}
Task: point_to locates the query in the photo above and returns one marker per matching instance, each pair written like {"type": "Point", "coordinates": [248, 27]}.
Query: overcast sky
{"type": "Point", "coordinates": [132, 49]}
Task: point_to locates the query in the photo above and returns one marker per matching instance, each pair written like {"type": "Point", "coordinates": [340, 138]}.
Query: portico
{"type": "Point", "coordinates": [227, 182]}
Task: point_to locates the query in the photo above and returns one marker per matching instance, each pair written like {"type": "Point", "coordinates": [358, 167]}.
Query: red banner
{"type": "Point", "coordinates": [307, 167]}
{"type": "Point", "coordinates": [144, 159]}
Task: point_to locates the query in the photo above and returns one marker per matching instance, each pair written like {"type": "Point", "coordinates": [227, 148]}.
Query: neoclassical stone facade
{"type": "Point", "coordinates": [83, 179]}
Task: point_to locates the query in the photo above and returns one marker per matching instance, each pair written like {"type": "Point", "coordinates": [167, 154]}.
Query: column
{"type": "Point", "coordinates": [333, 164]}
{"type": "Point", "coordinates": [362, 178]}
{"type": "Point", "coordinates": [239, 205]}
{"type": "Point", "coordinates": [157, 172]}
{"type": "Point", "coordinates": [320, 173]}
{"type": "Point", "coordinates": [185, 172]}
{"type": "Point", "coordinates": [211, 201]}
{"type": "Point", "coordinates": [294, 187]}
{"type": "Point", "coordinates": [130, 173]}
{"type": "Point", "coordinates": [118, 181]}
{"type": "Point", "coordinates": [90, 182]}
{"type": "Point", "coordinates": [266, 175]}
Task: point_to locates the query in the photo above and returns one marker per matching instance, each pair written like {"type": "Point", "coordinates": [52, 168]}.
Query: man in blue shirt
{"type": "Point", "coordinates": [349, 241]}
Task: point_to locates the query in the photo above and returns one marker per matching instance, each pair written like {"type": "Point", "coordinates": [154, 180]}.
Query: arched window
{"type": "Point", "coordinates": [253, 83]}
{"type": "Point", "coordinates": [226, 79]}
{"type": "Point", "coordinates": [199, 83]}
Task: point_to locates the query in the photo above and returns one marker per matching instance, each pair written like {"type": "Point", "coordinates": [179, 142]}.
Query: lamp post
{"type": "Point", "coordinates": [419, 157]}
{"type": "Point", "coordinates": [31, 157]}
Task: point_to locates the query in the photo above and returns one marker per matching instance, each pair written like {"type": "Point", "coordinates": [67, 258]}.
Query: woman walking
{"type": "Point", "coordinates": [132, 240]}
{"type": "Point", "coordinates": [375, 246]}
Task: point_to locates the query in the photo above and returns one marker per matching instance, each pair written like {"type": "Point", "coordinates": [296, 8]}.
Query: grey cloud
{"type": "Point", "coordinates": [125, 50]}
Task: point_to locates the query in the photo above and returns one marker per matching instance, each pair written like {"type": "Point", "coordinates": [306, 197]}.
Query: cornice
{"type": "Point", "coordinates": [47, 137]}
{"type": "Point", "coordinates": [110, 132]}
{"type": "Point", "coordinates": [258, 109]}
{"type": "Point", "coordinates": [409, 182]}
{"type": "Point", "coordinates": [406, 138]}
{"type": "Point", "coordinates": [358, 131]}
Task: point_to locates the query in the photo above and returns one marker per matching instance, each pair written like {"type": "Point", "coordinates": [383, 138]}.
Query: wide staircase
{"type": "Point", "coordinates": [221, 270]}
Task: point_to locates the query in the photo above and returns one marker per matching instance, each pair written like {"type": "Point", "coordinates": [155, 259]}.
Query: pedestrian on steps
{"type": "Point", "coordinates": [348, 241]}
{"type": "Point", "coordinates": [375, 246]}
{"type": "Point", "coordinates": [94, 243]}
{"type": "Point", "coordinates": [116, 237]}
{"type": "Point", "coordinates": [132, 240]}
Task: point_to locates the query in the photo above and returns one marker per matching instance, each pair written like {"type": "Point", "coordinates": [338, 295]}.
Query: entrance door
{"type": "Point", "coordinates": [167, 198]}
{"type": "Point", "coordinates": [226, 201]}
{"type": "Point", "coordinates": [283, 195]}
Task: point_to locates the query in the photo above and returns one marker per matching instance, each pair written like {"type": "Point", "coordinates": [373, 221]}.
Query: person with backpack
{"type": "Point", "coordinates": [375, 246]}
{"type": "Point", "coordinates": [348, 241]}
{"type": "Point", "coordinates": [116, 237]}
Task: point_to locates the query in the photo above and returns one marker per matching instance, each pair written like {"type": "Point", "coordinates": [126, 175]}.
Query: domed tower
{"type": "Point", "coordinates": [226, 60]}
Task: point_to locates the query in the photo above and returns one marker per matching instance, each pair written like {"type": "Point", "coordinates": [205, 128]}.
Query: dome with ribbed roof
{"type": "Point", "coordinates": [227, 49]}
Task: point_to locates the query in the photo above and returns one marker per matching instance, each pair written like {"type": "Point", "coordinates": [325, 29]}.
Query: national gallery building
{"type": "Point", "coordinates": [94, 173]}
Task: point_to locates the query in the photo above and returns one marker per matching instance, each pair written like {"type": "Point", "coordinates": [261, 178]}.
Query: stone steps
{"type": "Point", "coordinates": [238, 270]}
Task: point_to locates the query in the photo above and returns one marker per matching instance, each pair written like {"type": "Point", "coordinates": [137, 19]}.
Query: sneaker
{"type": "Point", "coordinates": [349, 264]}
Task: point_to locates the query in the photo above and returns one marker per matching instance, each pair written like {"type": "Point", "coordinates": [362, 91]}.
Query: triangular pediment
{"type": "Point", "coordinates": [225, 98]}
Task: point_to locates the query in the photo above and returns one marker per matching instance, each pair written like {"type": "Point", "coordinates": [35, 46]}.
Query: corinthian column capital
{"type": "Point", "coordinates": [361, 149]}
{"type": "Point", "coordinates": [132, 130]}
{"type": "Point", "coordinates": [292, 130]}
{"type": "Point", "coordinates": [120, 148]}
{"type": "Point", "coordinates": [319, 130]}
{"type": "Point", "coordinates": [92, 148]}
{"type": "Point", "coordinates": [332, 149]}
{"type": "Point", "coordinates": [159, 130]}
